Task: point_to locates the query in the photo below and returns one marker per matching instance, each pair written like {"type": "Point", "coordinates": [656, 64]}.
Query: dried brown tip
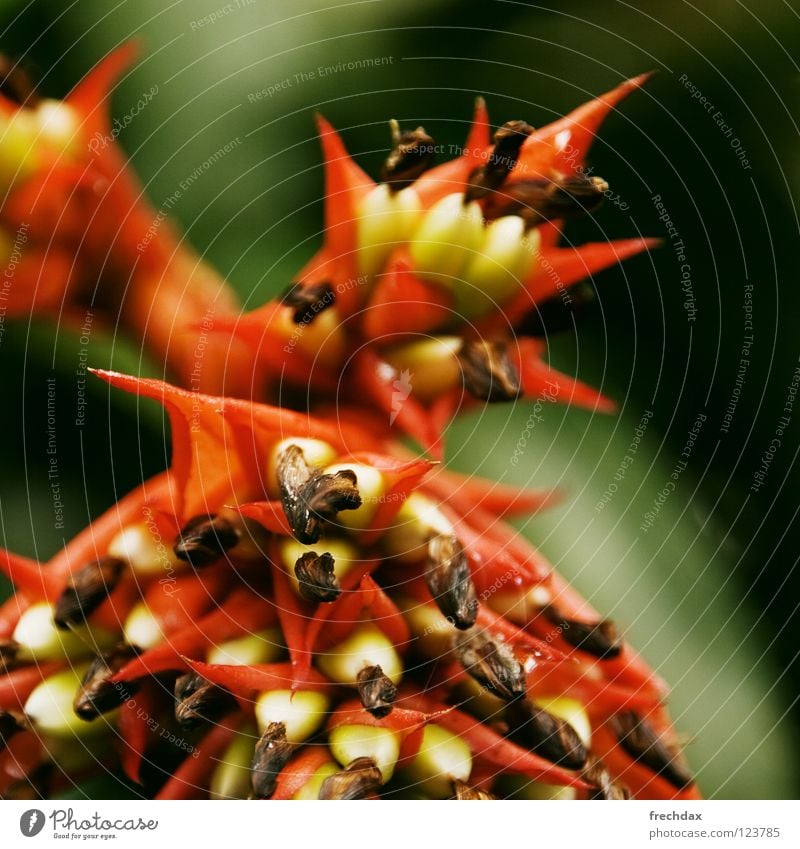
{"type": "Point", "coordinates": [198, 700]}
{"type": "Point", "coordinates": [316, 579]}
{"type": "Point", "coordinates": [603, 787]}
{"type": "Point", "coordinates": [9, 649]}
{"type": "Point", "coordinates": [489, 375]}
{"type": "Point", "coordinates": [308, 300]}
{"type": "Point", "coordinates": [97, 694]}
{"type": "Point", "coordinates": [88, 588]}
{"type": "Point", "coordinates": [546, 735]}
{"type": "Point", "coordinates": [508, 141]}
{"type": "Point", "coordinates": [9, 726]}
{"type": "Point", "coordinates": [361, 778]}
{"type": "Point", "coordinates": [449, 581]}
{"type": "Point", "coordinates": [412, 155]}
{"type": "Point", "coordinates": [599, 639]}
{"type": "Point", "coordinates": [204, 539]}
{"type": "Point", "coordinates": [15, 83]}
{"type": "Point", "coordinates": [638, 738]}
{"type": "Point", "coordinates": [537, 201]}
{"type": "Point", "coordinates": [376, 691]}
{"type": "Point", "coordinates": [464, 793]}
{"type": "Point", "coordinates": [311, 498]}
{"type": "Point", "coordinates": [272, 753]}
{"type": "Point", "coordinates": [493, 665]}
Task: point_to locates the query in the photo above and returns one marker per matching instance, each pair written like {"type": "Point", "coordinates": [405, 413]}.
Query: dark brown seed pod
{"type": "Point", "coordinates": [361, 778]}
{"type": "Point", "coordinates": [15, 83]}
{"type": "Point", "coordinates": [308, 301]}
{"type": "Point", "coordinates": [508, 141]}
{"type": "Point", "coordinates": [464, 793]}
{"type": "Point", "coordinates": [413, 154]}
{"type": "Point", "coordinates": [449, 581]}
{"type": "Point", "coordinates": [272, 752]}
{"type": "Point", "coordinates": [376, 691]}
{"type": "Point", "coordinates": [599, 639]}
{"type": "Point", "coordinates": [9, 650]}
{"type": "Point", "coordinates": [537, 201]}
{"type": "Point", "coordinates": [316, 579]}
{"type": "Point", "coordinates": [602, 787]}
{"type": "Point", "coordinates": [492, 664]}
{"type": "Point", "coordinates": [9, 726]}
{"type": "Point", "coordinates": [97, 694]}
{"type": "Point", "coordinates": [546, 735]}
{"type": "Point", "coordinates": [204, 539]}
{"type": "Point", "coordinates": [88, 588]}
{"type": "Point", "coordinates": [639, 739]}
{"type": "Point", "coordinates": [310, 498]}
{"type": "Point", "coordinates": [489, 375]}
{"type": "Point", "coordinates": [198, 700]}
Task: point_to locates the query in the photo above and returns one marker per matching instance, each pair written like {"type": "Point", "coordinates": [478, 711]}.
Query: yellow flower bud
{"type": "Point", "coordinates": [301, 711]}
{"type": "Point", "coordinates": [367, 645]}
{"type": "Point", "coordinates": [443, 758]}
{"type": "Point", "coordinates": [386, 219]}
{"type": "Point", "coordinates": [380, 745]}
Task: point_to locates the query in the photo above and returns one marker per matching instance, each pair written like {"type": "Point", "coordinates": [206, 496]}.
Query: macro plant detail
{"type": "Point", "coordinates": [300, 607]}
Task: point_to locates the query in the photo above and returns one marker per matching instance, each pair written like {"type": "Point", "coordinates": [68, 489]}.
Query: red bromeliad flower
{"type": "Point", "coordinates": [430, 282]}
{"type": "Point", "coordinates": [79, 234]}
{"type": "Point", "coordinates": [297, 610]}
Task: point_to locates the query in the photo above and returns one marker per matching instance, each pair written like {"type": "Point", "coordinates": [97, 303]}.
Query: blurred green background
{"type": "Point", "coordinates": [709, 591]}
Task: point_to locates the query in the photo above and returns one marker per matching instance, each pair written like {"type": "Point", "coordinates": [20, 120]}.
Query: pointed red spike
{"type": "Point", "coordinates": [451, 176]}
{"type": "Point", "coordinates": [540, 380]}
{"type": "Point", "coordinates": [345, 186]}
{"type": "Point", "coordinates": [199, 438]}
{"type": "Point", "coordinates": [466, 492]}
{"type": "Point", "coordinates": [246, 680]}
{"type": "Point", "coordinates": [135, 733]}
{"type": "Point", "coordinates": [95, 87]}
{"type": "Point", "coordinates": [29, 576]}
{"type": "Point", "coordinates": [562, 145]}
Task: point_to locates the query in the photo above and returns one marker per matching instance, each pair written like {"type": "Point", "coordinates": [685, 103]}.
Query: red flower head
{"type": "Point", "coordinates": [429, 282]}
{"type": "Point", "coordinates": [297, 610]}
{"type": "Point", "coordinates": [80, 235]}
